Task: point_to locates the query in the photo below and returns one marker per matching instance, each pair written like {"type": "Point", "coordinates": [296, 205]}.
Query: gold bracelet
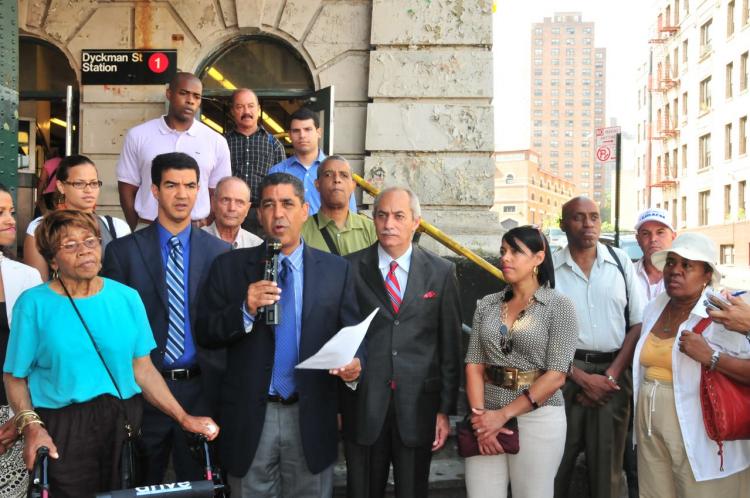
{"type": "Point", "coordinates": [21, 420]}
{"type": "Point", "coordinates": [28, 423]}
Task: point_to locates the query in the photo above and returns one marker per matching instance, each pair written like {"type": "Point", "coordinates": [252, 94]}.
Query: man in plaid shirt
{"type": "Point", "coordinates": [252, 149]}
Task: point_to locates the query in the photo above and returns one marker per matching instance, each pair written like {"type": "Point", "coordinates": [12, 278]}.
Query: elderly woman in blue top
{"type": "Point", "coordinates": [53, 367]}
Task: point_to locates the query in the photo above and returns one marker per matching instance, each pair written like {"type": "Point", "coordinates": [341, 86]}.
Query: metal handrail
{"type": "Point", "coordinates": [439, 235]}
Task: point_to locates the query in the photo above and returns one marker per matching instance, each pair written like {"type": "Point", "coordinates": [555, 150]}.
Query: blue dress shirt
{"type": "Point", "coordinates": [308, 175]}
{"type": "Point", "coordinates": [188, 358]}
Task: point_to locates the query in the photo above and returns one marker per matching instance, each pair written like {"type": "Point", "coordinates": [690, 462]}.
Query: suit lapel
{"type": "Point", "coordinates": [416, 280]}
{"type": "Point", "coordinates": [196, 268]}
{"type": "Point", "coordinates": [370, 273]}
{"type": "Point", "coordinates": [147, 241]}
{"type": "Point", "coordinates": [310, 273]}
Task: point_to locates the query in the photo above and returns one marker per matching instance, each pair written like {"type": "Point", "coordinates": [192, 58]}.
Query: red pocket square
{"type": "Point", "coordinates": [429, 295]}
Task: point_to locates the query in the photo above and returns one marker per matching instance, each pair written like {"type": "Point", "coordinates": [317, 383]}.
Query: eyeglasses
{"type": "Point", "coordinates": [81, 185]}
{"type": "Point", "coordinates": [72, 246]}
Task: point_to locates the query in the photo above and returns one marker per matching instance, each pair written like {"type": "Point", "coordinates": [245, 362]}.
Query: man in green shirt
{"type": "Point", "coordinates": [334, 228]}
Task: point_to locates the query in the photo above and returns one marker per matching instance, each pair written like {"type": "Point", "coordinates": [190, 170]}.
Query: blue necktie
{"type": "Point", "coordinates": [176, 295]}
{"type": "Point", "coordinates": [285, 355]}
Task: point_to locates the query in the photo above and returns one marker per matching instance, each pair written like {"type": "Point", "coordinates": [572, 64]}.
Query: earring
{"type": "Point", "coordinates": [536, 271]}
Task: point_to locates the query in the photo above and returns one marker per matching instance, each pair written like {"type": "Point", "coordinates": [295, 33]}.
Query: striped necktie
{"type": "Point", "coordinates": [391, 285]}
{"type": "Point", "coordinates": [176, 294]}
{"type": "Point", "coordinates": [285, 355]}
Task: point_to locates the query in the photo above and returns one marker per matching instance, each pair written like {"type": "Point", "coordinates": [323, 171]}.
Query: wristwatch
{"type": "Point", "coordinates": [714, 360]}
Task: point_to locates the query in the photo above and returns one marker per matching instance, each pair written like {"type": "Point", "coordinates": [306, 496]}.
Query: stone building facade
{"type": "Point", "coordinates": [413, 84]}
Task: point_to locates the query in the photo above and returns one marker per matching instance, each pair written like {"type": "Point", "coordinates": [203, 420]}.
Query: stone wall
{"type": "Point", "coordinates": [430, 123]}
{"type": "Point", "coordinates": [424, 67]}
{"type": "Point", "coordinates": [333, 37]}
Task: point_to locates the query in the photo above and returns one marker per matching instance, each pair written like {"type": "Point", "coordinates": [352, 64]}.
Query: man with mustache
{"type": "Point", "coordinates": [252, 149]}
{"type": "Point", "coordinates": [177, 131]}
{"type": "Point", "coordinates": [304, 131]}
{"type": "Point", "coordinates": [602, 283]}
{"type": "Point", "coordinates": [167, 263]}
{"type": "Point", "coordinates": [281, 436]}
{"type": "Point", "coordinates": [230, 203]}
{"type": "Point", "coordinates": [334, 228]}
{"type": "Point", "coordinates": [653, 232]}
{"type": "Point", "coordinates": [399, 415]}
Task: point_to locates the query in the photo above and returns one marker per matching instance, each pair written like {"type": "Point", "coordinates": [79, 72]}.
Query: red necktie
{"type": "Point", "coordinates": [391, 285]}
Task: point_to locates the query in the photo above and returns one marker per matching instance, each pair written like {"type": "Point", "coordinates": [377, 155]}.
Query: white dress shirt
{"type": "Point", "coordinates": [402, 272]}
{"type": "Point", "coordinates": [686, 377]}
{"type": "Point", "coordinates": [650, 291]}
{"type": "Point", "coordinates": [599, 299]}
{"type": "Point", "coordinates": [243, 240]}
{"type": "Point", "coordinates": [149, 139]}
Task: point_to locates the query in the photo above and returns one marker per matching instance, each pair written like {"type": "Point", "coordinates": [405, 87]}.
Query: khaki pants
{"type": "Point", "coordinates": [663, 467]}
{"type": "Point", "coordinates": [599, 432]}
{"type": "Point", "coordinates": [532, 471]}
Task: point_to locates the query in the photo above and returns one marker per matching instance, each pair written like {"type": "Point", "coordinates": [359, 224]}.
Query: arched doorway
{"type": "Point", "coordinates": [43, 77]}
{"type": "Point", "coordinates": [278, 75]}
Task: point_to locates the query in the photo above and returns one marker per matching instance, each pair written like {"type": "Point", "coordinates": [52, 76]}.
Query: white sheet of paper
{"type": "Point", "coordinates": [340, 349]}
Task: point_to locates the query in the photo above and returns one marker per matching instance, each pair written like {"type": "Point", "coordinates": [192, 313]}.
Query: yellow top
{"type": "Point", "coordinates": [656, 356]}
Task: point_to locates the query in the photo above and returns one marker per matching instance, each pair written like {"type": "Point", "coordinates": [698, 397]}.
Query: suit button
{"type": "Point", "coordinates": [395, 353]}
{"type": "Point", "coordinates": [395, 322]}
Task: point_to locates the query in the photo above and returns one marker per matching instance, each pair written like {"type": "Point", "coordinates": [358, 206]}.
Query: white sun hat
{"type": "Point", "coordinates": [693, 246]}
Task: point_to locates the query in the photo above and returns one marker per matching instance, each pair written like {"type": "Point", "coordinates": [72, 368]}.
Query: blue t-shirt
{"type": "Point", "coordinates": [49, 346]}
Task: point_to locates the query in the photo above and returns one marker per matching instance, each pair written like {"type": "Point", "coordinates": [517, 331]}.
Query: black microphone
{"type": "Point", "coordinates": [271, 273]}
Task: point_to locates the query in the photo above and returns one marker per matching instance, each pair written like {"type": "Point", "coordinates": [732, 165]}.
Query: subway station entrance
{"type": "Point", "coordinates": [280, 79]}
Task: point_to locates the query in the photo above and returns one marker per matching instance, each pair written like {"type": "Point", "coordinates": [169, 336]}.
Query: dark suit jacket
{"type": "Point", "coordinates": [419, 348]}
{"type": "Point", "coordinates": [136, 261]}
{"type": "Point", "coordinates": [328, 305]}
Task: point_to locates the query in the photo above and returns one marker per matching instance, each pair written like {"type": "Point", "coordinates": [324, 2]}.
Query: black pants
{"type": "Point", "coordinates": [367, 467]}
{"type": "Point", "coordinates": [89, 438]}
{"type": "Point", "coordinates": [162, 436]}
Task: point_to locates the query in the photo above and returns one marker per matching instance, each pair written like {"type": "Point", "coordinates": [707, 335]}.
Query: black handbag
{"type": "Point", "coordinates": [129, 460]}
{"type": "Point", "coordinates": [468, 446]}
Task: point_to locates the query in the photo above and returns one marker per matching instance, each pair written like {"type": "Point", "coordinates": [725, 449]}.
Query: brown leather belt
{"type": "Point", "coordinates": [511, 378]}
{"type": "Point", "coordinates": [595, 356]}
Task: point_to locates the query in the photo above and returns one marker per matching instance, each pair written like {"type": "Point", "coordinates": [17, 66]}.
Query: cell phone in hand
{"type": "Point", "coordinates": [714, 300]}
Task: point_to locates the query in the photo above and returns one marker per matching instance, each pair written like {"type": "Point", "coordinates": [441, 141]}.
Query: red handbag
{"type": "Point", "coordinates": [468, 446]}
{"type": "Point", "coordinates": [725, 404]}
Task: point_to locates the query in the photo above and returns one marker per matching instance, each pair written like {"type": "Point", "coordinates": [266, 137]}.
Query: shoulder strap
{"type": "Point", "coordinates": [91, 337]}
{"type": "Point", "coordinates": [327, 237]}
{"type": "Point", "coordinates": [111, 226]}
{"type": "Point", "coordinates": [627, 297]}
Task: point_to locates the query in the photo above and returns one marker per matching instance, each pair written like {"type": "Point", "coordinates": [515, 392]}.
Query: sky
{"type": "Point", "coordinates": [620, 27]}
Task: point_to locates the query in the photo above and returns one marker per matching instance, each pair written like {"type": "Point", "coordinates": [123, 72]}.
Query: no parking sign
{"type": "Point", "coordinates": [606, 144]}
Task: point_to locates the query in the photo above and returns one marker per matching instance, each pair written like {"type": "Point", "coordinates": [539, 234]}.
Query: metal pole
{"type": "Point", "coordinates": [617, 188]}
{"type": "Point", "coordinates": [69, 120]}
{"type": "Point", "coordinates": [439, 235]}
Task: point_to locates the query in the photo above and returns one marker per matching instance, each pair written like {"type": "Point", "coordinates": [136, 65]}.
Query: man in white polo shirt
{"type": "Point", "coordinates": [654, 233]}
{"type": "Point", "coordinates": [177, 131]}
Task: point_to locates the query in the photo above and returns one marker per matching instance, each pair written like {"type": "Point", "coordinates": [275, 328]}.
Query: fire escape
{"type": "Point", "coordinates": [663, 126]}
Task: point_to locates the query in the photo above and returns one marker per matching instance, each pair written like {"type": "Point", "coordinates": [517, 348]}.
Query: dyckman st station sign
{"type": "Point", "coordinates": [128, 67]}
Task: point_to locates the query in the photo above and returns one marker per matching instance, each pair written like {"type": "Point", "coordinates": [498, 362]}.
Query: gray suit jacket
{"type": "Point", "coordinates": [419, 349]}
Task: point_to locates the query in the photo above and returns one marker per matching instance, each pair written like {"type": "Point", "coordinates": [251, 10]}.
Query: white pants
{"type": "Point", "coordinates": [532, 471]}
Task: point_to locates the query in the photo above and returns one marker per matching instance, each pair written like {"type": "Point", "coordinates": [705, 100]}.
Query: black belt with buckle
{"type": "Point", "coordinates": [181, 373]}
{"type": "Point", "coordinates": [595, 356]}
{"type": "Point", "coordinates": [275, 398]}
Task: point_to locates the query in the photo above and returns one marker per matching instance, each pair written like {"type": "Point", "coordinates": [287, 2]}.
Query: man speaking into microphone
{"type": "Point", "coordinates": [263, 398]}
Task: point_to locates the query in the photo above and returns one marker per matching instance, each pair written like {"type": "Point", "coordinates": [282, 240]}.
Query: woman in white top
{"type": "Point", "coordinates": [14, 279]}
{"type": "Point", "coordinates": [78, 183]}
{"type": "Point", "coordinates": [676, 458]}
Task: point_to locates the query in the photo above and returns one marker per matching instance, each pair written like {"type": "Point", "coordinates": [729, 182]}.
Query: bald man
{"type": "Point", "coordinates": [230, 204]}
{"type": "Point", "coordinates": [252, 149]}
{"type": "Point", "coordinates": [602, 283]}
{"type": "Point", "coordinates": [176, 131]}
